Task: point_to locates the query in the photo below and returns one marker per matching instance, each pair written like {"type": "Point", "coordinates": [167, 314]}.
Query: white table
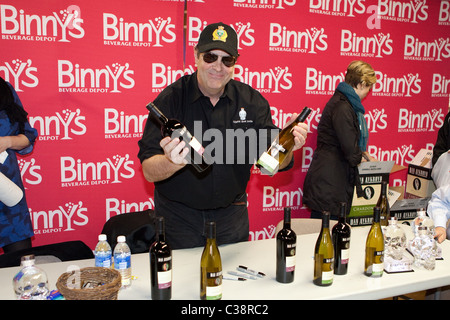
{"type": "Point", "coordinates": [260, 255]}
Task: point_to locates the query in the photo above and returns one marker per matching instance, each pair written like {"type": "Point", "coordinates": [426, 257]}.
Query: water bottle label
{"type": "Point", "coordinates": [122, 261]}
{"type": "Point", "coordinates": [103, 260]}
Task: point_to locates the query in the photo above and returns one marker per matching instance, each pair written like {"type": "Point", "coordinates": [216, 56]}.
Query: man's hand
{"type": "Point", "coordinates": [174, 150]}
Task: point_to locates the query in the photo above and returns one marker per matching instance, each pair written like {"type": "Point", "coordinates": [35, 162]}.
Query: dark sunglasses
{"type": "Point", "coordinates": [228, 61]}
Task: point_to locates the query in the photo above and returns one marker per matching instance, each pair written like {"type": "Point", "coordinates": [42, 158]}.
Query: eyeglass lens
{"type": "Point", "coordinates": [228, 61]}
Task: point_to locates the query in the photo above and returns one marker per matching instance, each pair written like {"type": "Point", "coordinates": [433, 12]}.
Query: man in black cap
{"type": "Point", "coordinates": [211, 105]}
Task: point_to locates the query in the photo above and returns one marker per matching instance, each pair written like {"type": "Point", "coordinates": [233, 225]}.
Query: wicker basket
{"type": "Point", "coordinates": [92, 283]}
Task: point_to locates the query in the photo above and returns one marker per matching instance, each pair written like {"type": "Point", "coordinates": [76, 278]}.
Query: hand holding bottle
{"type": "Point", "coordinates": [175, 150]}
{"type": "Point", "coordinates": [299, 131]}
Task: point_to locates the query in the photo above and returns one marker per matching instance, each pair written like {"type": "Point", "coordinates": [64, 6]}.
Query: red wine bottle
{"type": "Point", "coordinates": [286, 248]}
{"type": "Point", "coordinates": [161, 265]}
{"type": "Point", "coordinates": [340, 235]}
{"type": "Point", "coordinates": [175, 129]}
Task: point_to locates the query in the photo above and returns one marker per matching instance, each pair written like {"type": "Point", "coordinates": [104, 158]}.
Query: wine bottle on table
{"type": "Point", "coordinates": [270, 161]}
{"type": "Point", "coordinates": [374, 261]}
{"type": "Point", "coordinates": [211, 267]}
{"type": "Point", "coordinates": [341, 242]}
{"type": "Point", "coordinates": [286, 247]}
{"type": "Point", "coordinates": [324, 254]}
{"type": "Point", "coordinates": [383, 204]}
{"type": "Point", "coordinates": [175, 129]}
{"type": "Point", "coordinates": [161, 264]}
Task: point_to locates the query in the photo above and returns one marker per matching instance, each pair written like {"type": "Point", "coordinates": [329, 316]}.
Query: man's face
{"type": "Point", "coordinates": [212, 77]}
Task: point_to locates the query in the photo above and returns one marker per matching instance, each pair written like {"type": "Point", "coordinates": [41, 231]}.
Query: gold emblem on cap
{"type": "Point", "coordinates": [220, 34]}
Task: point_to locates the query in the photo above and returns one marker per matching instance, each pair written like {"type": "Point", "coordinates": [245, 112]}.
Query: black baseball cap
{"type": "Point", "coordinates": [218, 36]}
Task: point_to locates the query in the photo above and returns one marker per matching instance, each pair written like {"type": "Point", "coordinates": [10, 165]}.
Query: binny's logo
{"type": "Point", "coordinates": [321, 83]}
{"type": "Point", "coordinates": [17, 24]}
{"type": "Point", "coordinates": [266, 233]}
{"type": "Point", "coordinates": [118, 124]}
{"type": "Point", "coordinates": [76, 79]}
{"type": "Point", "coordinates": [401, 155]}
{"type": "Point", "coordinates": [420, 122]}
{"type": "Point", "coordinates": [151, 33]}
{"type": "Point", "coordinates": [20, 74]}
{"type": "Point", "coordinates": [444, 14]}
{"type": "Point", "coordinates": [376, 120]}
{"type": "Point", "coordinates": [347, 8]}
{"type": "Point", "coordinates": [75, 172]}
{"type": "Point", "coordinates": [280, 117]}
{"type": "Point", "coordinates": [29, 171]}
{"type": "Point", "coordinates": [274, 199]}
{"type": "Point", "coordinates": [115, 206]}
{"type": "Point", "coordinates": [61, 219]}
{"type": "Point", "coordinates": [403, 11]}
{"type": "Point", "coordinates": [440, 86]}
{"type": "Point", "coordinates": [271, 81]}
{"type": "Point", "coordinates": [391, 86]}
{"type": "Point", "coordinates": [60, 126]}
{"type": "Point", "coordinates": [244, 31]}
{"type": "Point", "coordinates": [377, 45]}
{"type": "Point", "coordinates": [418, 50]}
{"type": "Point", "coordinates": [163, 75]}
{"type": "Point", "coordinates": [310, 40]}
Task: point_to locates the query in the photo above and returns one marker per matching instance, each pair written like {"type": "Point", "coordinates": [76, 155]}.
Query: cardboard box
{"type": "Point", "coordinates": [371, 173]}
{"type": "Point", "coordinates": [418, 181]}
{"type": "Point", "coordinates": [406, 209]}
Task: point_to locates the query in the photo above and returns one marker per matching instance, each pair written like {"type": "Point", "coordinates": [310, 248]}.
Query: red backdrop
{"type": "Point", "coordinates": [85, 72]}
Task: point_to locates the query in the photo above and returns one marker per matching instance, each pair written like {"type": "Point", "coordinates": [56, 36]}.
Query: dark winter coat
{"type": "Point", "coordinates": [333, 172]}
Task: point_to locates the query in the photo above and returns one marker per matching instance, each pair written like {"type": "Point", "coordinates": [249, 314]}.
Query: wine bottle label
{"type": "Point", "coordinates": [327, 277]}
{"type": "Point", "coordinates": [214, 293]}
{"type": "Point", "coordinates": [290, 263]}
{"type": "Point", "coordinates": [196, 146]}
{"type": "Point", "coordinates": [268, 162]}
{"type": "Point", "coordinates": [164, 279]}
{"type": "Point", "coordinates": [377, 269]}
{"type": "Point", "coordinates": [345, 253]}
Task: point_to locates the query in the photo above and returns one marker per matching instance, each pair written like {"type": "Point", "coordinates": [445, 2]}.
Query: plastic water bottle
{"type": "Point", "coordinates": [122, 261]}
{"type": "Point", "coordinates": [103, 252]}
{"type": "Point", "coordinates": [30, 283]}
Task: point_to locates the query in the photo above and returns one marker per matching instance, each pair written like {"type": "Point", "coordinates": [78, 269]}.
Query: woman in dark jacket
{"type": "Point", "coordinates": [341, 144]}
{"type": "Point", "coordinates": [16, 136]}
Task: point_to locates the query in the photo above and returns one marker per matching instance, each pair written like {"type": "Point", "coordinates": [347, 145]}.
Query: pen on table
{"type": "Point", "coordinates": [245, 276]}
{"type": "Point", "coordinates": [250, 271]}
{"type": "Point", "coordinates": [234, 278]}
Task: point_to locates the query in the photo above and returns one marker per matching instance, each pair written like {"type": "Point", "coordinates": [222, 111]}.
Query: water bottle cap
{"type": "Point", "coordinates": [102, 237]}
{"type": "Point", "coordinates": [121, 239]}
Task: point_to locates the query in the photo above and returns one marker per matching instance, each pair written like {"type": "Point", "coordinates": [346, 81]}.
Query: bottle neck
{"type": "Point", "coordinates": [157, 114]}
{"type": "Point", "coordinates": [160, 229]}
{"type": "Point", "coordinates": [287, 218]}
{"type": "Point", "coordinates": [325, 220]}
{"type": "Point", "coordinates": [342, 212]}
{"type": "Point", "coordinates": [210, 232]}
{"type": "Point", "coordinates": [376, 216]}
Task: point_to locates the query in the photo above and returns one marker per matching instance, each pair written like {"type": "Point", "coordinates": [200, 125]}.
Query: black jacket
{"type": "Point", "coordinates": [333, 172]}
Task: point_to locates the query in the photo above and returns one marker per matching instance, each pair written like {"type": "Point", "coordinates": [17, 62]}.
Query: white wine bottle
{"type": "Point", "coordinates": [324, 254]}
{"type": "Point", "coordinates": [270, 161]}
{"type": "Point", "coordinates": [374, 262]}
{"type": "Point", "coordinates": [286, 247]}
{"type": "Point", "coordinates": [383, 204]}
{"type": "Point", "coordinates": [211, 266]}
{"type": "Point", "coordinates": [175, 129]}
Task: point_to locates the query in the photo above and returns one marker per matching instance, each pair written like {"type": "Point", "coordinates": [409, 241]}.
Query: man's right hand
{"type": "Point", "coordinates": [174, 150]}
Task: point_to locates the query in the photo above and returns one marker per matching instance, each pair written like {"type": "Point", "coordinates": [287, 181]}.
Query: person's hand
{"type": "Point", "coordinates": [300, 132]}
{"type": "Point", "coordinates": [441, 234]}
{"type": "Point", "coordinates": [174, 150]}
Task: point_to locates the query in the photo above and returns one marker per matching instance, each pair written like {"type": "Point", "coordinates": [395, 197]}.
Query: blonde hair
{"type": "Point", "coordinates": [360, 72]}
